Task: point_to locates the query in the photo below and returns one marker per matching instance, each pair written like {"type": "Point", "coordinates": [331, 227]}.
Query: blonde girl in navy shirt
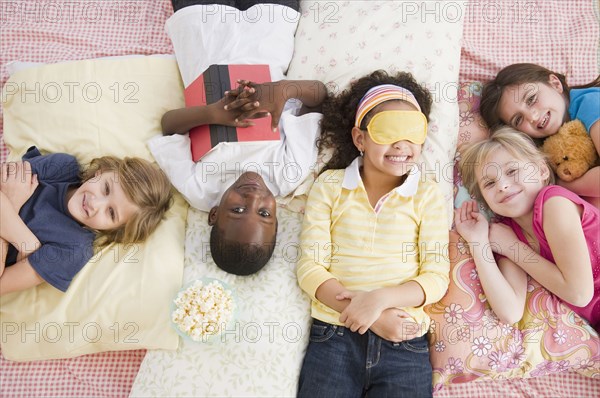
{"type": "Point", "coordinates": [52, 215]}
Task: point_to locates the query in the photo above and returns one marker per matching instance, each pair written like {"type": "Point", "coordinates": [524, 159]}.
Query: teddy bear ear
{"type": "Point", "coordinates": [573, 127]}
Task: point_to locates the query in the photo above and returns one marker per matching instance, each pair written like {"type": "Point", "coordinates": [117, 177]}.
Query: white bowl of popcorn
{"type": "Point", "coordinates": [203, 309]}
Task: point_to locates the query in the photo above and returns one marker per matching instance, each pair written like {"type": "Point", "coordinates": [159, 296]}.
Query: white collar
{"type": "Point", "coordinates": [407, 189]}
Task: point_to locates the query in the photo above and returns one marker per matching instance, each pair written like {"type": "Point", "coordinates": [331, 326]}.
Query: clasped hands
{"type": "Point", "coordinates": [365, 312]}
{"type": "Point", "coordinates": [17, 183]}
{"type": "Point", "coordinates": [251, 101]}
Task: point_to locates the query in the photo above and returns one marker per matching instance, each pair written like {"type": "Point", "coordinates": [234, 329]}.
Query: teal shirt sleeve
{"type": "Point", "coordinates": [585, 106]}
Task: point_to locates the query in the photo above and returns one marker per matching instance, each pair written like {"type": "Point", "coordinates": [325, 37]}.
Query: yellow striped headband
{"type": "Point", "coordinates": [379, 94]}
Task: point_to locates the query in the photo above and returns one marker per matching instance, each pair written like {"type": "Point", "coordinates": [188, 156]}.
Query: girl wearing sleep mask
{"type": "Point", "coordinates": [395, 131]}
{"type": "Point", "coordinates": [383, 226]}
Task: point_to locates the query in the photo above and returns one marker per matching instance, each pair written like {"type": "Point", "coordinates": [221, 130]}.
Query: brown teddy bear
{"type": "Point", "coordinates": [571, 151]}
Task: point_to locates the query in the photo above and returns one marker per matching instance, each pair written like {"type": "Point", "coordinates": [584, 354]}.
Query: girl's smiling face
{"type": "Point", "coordinates": [100, 203]}
{"type": "Point", "coordinates": [395, 159]}
{"type": "Point", "coordinates": [509, 185]}
{"type": "Point", "coordinates": [536, 109]}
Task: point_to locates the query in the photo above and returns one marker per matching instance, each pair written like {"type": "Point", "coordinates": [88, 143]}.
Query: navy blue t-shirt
{"type": "Point", "coordinates": [66, 246]}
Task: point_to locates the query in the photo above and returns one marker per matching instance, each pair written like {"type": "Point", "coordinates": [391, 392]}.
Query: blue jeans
{"type": "Point", "coordinates": [345, 364]}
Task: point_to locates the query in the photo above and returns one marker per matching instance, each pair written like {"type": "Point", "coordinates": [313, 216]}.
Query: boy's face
{"type": "Point", "coordinates": [247, 211]}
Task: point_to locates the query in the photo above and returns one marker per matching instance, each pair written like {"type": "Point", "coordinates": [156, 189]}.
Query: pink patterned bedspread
{"type": "Point", "coordinates": [560, 35]}
{"type": "Point", "coordinates": [560, 385]}
{"type": "Point", "coordinates": [51, 31]}
{"type": "Point", "coordinates": [108, 374]}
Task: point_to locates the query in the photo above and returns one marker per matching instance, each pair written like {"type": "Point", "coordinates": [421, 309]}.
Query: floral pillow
{"type": "Point", "coordinates": [467, 341]}
{"type": "Point", "coordinates": [472, 128]}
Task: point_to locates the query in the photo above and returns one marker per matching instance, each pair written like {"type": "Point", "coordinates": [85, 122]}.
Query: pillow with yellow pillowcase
{"type": "Point", "coordinates": [120, 299]}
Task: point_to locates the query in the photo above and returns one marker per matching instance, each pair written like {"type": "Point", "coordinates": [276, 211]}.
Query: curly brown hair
{"type": "Point", "coordinates": [339, 112]}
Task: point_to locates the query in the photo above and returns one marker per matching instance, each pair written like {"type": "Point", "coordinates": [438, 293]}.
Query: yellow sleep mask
{"type": "Point", "coordinates": [388, 127]}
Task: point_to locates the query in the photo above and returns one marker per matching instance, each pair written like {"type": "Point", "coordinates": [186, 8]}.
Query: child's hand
{"type": "Point", "coordinates": [228, 110]}
{"type": "Point", "coordinates": [503, 240]}
{"type": "Point", "coordinates": [396, 325]}
{"type": "Point", "coordinates": [243, 101]}
{"type": "Point", "coordinates": [17, 182]}
{"type": "Point", "coordinates": [270, 97]}
{"type": "Point", "coordinates": [470, 223]}
{"type": "Point", "coordinates": [364, 309]}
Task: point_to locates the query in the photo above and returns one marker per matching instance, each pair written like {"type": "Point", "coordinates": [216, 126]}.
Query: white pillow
{"type": "Point", "coordinates": [260, 354]}
{"type": "Point", "coordinates": [340, 41]}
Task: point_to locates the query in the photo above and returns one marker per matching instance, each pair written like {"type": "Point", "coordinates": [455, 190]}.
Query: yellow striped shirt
{"type": "Point", "coordinates": [344, 238]}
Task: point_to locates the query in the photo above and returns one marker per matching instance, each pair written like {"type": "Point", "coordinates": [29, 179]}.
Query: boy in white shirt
{"type": "Point", "coordinates": [237, 182]}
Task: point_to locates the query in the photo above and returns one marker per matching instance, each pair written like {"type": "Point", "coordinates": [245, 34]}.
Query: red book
{"type": "Point", "coordinates": [209, 88]}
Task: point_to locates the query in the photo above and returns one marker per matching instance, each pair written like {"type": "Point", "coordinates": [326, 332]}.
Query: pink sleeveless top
{"type": "Point", "coordinates": [590, 222]}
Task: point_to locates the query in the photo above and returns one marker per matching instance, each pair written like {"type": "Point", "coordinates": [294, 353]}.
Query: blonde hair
{"type": "Point", "coordinates": [145, 185]}
{"type": "Point", "coordinates": [514, 142]}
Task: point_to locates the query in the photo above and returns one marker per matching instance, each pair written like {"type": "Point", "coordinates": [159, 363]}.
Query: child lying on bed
{"type": "Point", "coordinates": [242, 210]}
{"type": "Point", "coordinates": [51, 215]}
{"type": "Point", "coordinates": [237, 183]}
{"type": "Point", "coordinates": [379, 226]}
{"type": "Point", "coordinates": [548, 232]}
{"type": "Point", "coordinates": [537, 101]}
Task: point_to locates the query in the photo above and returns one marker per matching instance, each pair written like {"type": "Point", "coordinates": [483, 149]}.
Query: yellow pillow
{"type": "Point", "coordinates": [120, 300]}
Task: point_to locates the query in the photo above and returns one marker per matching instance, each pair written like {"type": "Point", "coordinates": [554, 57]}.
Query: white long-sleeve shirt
{"type": "Point", "coordinates": [282, 164]}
